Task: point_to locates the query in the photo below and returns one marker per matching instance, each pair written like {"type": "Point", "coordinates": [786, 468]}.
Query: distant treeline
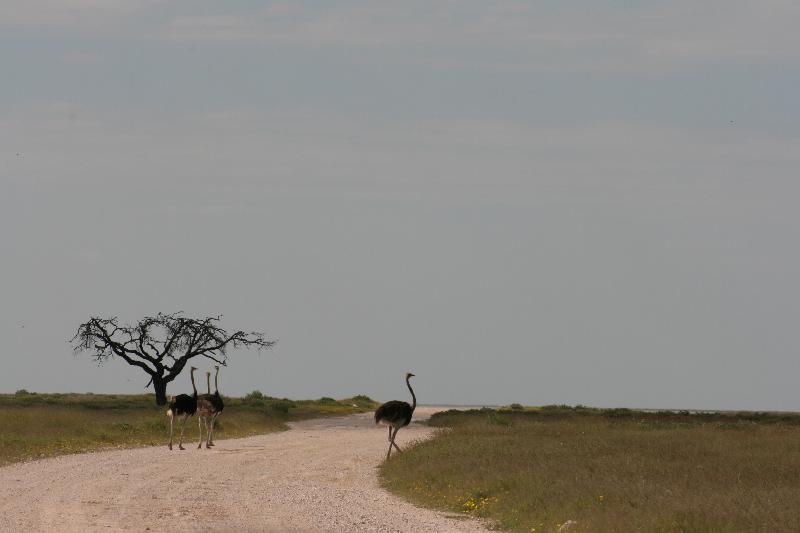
{"type": "Point", "coordinates": [255, 400]}
{"type": "Point", "coordinates": [516, 411]}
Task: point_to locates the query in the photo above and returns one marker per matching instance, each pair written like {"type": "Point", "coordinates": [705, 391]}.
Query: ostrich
{"type": "Point", "coordinates": [182, 405]}
{"type": "Point", "coordinates": [216, 401]}
{"type": "Point", "coordinates": [396, 414]}
{"type": "Point", "coordinates": [206, 412]}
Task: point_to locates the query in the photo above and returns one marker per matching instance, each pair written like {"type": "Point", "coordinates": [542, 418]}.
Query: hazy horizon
{"type": "Point", "coordinates": [540, 203]}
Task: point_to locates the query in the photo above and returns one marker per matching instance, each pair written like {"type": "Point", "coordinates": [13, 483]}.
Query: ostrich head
{"type": "Point", "coordinates": [409, 375]}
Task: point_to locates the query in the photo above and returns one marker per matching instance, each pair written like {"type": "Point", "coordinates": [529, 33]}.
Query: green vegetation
{"type": "Point", "coordinates": [42, 425]}
{"type": "Point", "coordinates": [608, 469]}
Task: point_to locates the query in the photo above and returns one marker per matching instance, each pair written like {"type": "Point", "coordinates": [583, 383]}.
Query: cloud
{"type": "Point", "coordinates": [70, 15]}
{"type": "Point", "coordinates": [650, 37]}
{"type": "Point", "coordinates": [306, 150]}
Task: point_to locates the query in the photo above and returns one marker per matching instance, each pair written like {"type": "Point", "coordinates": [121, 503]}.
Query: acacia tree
{"type": "Point", "coordinates": [161, 345]}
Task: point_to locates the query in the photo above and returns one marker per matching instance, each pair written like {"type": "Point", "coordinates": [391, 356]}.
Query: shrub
{"type": "Point", "coordinates": [559, 407]}
{"type": "Point", "coordinates": [281, 406]}
{"type": "Point", "coordinates": [516, 407]}
{"type": "Point", "coordinates": [255, 395]}
{"type": "Point", "coordinates": [363, 399]}
{"type": "Point", "coordinates": [326, 400]}
{"type": "Point", "coordinates": [618, 412]}
{"type": "Point", "coordinates": [498, 420]}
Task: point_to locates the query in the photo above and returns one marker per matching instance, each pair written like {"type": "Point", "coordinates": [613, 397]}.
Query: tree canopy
{"type": "Point", "coordinates": [161, 345]}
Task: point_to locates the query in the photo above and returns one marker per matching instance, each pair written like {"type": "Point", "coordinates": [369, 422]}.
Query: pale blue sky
{"type": "Point", "coordinates": [541, 202]}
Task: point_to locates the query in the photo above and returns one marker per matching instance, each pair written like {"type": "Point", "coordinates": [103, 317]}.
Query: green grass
{"type": "Point", "coordinates": [608, 470]}
{"type": "Point", "coordinates": [33, 426]}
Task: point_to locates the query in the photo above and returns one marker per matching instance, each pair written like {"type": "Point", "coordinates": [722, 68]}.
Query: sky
{"type": "Point", "coordinates": [540, 202]}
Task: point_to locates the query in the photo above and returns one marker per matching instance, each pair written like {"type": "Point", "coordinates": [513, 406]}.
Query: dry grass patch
{"type": "Point", "coordinates": [34, 426]}
{"type": "Point", "coordinates": [609, 471]}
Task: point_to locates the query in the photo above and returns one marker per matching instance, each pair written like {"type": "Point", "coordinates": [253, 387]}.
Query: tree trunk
{"type": "Point", "coordinates": [160, 386]}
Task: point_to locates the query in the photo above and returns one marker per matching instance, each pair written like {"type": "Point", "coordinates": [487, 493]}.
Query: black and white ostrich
{"type": "Point", "coordinates": [184, 406]}
{"type": "Point", "coordinates": [206, 412]}
{"type": "Point", "coordinates": [216, 401]}
{"type": "Point", "coordinates": [396, 415]}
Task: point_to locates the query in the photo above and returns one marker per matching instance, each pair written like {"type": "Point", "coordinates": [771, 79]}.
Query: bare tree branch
{"type": "Point", "coordinates": [152, 339]}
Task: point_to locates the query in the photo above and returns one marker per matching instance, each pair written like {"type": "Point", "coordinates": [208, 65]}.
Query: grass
{"type": "Point", "coordinates": [34, 426]}
{"type": "Point", "coordinates": [608, 470]}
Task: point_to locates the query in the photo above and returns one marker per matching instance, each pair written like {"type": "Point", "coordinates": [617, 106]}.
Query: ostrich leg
{"type": "Point", "coordinates": [393, 437]}
{"type": "Point", "coordinates": [183, 426]}
{"type": "Point", "coordinates": [391, 430]}
{"type": "Point", "coordinates": [171, 419]}
{"type": "Point", "coordinates": [211, 435]}
{"type": "Point", "coordinates": [391, 440]}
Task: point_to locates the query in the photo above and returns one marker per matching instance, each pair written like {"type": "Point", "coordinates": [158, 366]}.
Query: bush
{"type": "Point", "coordinates": [255, 395]}
{"type": "Point", "coordinates": [281, 406]}
{"type": "Point", "coordinates": [516, 407]}
{"type": "Point", "coordinates": [498, 420]}
{"type": "Point", "coordinates": [363, 399]}
{"type": "Point", "coordinates": [618, 412]}
{"type": "Point", "coordinates": [22, 392]}
{"type": "Point", "coordinates": [326, 400]}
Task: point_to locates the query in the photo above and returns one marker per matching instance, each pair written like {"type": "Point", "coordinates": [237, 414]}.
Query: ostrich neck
{"type": "Point", "coordinates": [208, 382]}
{"type": "Point", "coordinates": [413, 397]}
{"type": "Point", "coordinates": [216, 382]}
{"type": "Point", "coordinates": [191, 374]}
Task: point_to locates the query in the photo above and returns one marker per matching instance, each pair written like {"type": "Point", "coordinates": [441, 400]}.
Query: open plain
{"type": "Point", "coordinates": [318, 476]}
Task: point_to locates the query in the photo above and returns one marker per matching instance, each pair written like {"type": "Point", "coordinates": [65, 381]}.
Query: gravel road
{"type": "Point", "coordinates": [319, 476]}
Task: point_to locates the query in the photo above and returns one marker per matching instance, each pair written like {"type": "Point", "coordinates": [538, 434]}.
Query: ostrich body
{"type": "Point", "coordinates": [206, 412]}
{"type": "Point", "coordinates": [184, 406]}
{"type": "Point", "coordinates": [396, 415]}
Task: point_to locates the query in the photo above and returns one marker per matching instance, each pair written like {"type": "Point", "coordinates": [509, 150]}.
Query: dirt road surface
{"type": "Point", "coordinates": [319, 476]}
